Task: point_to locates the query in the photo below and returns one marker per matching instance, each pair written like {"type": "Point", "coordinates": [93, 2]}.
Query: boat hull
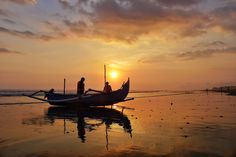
{"type": "Point", "coordinates": [95, 99]}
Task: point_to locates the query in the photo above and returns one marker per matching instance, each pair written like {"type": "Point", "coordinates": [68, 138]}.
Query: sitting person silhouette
{"type": "Point", "coordinates": [80, 86]}
{"type": "Point", "coordinates": [51, 90]}
{"type": "Point", "coordinates": [107, 88]}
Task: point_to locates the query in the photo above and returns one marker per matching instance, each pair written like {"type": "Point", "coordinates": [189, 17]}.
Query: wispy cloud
{"type": "Point", "coordinates": [22, 1]}
{"type": "Point", "coordinates": [7, 51]}
{"type": "Point", "coordinates": [4, 12]}
{"type": "Point", "coordinates": [200, 50]}
{"type": "Point", "coordinates": [25, 34]}
{"type": "Point", "coordinates": [9, 21]}
{"type": "Point", "coordinates": [52, 27]}
{"type": "Point", "coordinates": [156, 58]}
{"type": "Point", "coordinates": [66, 4]}
{"type": "Point", "coordinates": [210, 44]}
{"type": "Point", "coordinates": [225, 17]}
{"type": "Point", "coordinates": [179, 2]}
{"type": "Point", "coordinates": [190, 55]}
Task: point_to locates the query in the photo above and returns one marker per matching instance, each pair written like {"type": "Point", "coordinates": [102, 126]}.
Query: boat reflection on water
{"type": "Point", "coordinates": [86, 119]}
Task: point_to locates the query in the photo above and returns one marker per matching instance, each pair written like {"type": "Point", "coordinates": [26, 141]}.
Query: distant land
{"type": "Point", "coordinates": [231, 90]}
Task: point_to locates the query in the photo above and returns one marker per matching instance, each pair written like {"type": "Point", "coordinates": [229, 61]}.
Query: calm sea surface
{"type": "Point", "coordinates": [179, 125]}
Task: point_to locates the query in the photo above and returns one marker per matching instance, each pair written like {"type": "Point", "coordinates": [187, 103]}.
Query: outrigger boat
{"type": "Point", "coordinates": [87, 99]}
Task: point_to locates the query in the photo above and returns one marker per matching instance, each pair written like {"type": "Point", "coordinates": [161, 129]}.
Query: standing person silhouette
{"type": "Point", "coordinates": [80, 86]}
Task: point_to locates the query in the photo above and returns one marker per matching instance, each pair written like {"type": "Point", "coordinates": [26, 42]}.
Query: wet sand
{"type": "Point", "coordinates": [179, 125]}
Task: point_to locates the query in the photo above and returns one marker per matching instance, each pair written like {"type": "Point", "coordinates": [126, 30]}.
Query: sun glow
{"type": "Point", "coordinates": [114, 74]}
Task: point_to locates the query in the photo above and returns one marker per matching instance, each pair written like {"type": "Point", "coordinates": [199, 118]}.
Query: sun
{"type": "Point", "coordinates": [114, 74]}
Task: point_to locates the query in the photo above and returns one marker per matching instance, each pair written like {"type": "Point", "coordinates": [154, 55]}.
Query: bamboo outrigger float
{"type": "Point", "coordinates": [87, 99]}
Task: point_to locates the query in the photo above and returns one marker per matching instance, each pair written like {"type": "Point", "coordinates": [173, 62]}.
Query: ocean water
{"type": "Point", "coordinates": [153, 125]}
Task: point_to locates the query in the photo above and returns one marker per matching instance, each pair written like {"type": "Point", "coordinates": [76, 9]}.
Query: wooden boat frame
{"type": "Point", "coordinates": [87, 99]}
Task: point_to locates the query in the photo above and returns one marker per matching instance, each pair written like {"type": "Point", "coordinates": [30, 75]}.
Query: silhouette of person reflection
{"type": "Point", "coordinates": [81, 126]}
{"type": "Point", "coordinates": [82, 117]}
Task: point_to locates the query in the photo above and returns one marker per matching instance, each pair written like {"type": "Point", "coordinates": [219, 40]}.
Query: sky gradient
{"type": "Point", "coordinates": [159, 44]}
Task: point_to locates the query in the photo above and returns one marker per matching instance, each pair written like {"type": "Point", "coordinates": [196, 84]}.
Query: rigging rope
{"type": "Point", "coordinates": [149, 96]}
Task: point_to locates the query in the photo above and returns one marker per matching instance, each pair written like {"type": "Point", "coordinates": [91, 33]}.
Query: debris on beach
{"type": "Point", "coordinates": [185, 136]}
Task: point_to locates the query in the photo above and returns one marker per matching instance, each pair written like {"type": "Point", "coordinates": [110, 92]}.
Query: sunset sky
{"type": "Point", "coordinates": [159, 44]}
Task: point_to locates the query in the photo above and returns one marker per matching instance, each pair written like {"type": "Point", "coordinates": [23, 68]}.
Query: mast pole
{"type": "Point", "coordinates": [105, 74]}
{"type": "Point", "coordinates": [64, 90]}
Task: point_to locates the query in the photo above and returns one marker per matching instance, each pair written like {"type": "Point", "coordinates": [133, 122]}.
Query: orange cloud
{"type": "Point", "coordinates": [206, 53]}
{"type": "Point", "coordinates": [23, 1]}
{"type": "Point", "coordinates": [225, 17]}
{"type": "Point", "coordinates": [7, 51]}
{"type": "Point", "coordinates": [113, 21]}
{"type": "Point", "coordinates": [128, 21]}
{"type": "Point", "coordinates": [26, 34]}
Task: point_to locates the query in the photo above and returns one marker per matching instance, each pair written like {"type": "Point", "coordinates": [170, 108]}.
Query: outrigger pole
{"type": "Point", "coordinates": [105, 75]}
